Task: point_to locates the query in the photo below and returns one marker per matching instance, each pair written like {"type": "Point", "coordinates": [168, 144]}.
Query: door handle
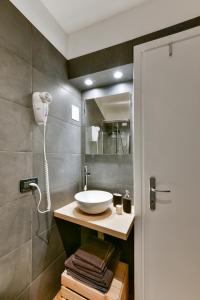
{"type": "Point", "coordinates": [153, 191]}
{"type": "Point", "coordinates": [160, 191]}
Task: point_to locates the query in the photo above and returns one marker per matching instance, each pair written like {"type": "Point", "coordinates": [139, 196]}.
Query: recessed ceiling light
{"type": "Point", "coordinates": [118, 75]}
{"type": "Point", "coordinates": [88, 82]}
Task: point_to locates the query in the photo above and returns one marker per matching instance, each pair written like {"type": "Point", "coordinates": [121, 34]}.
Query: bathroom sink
{"type": "Point", "coordinates": [93, 201]}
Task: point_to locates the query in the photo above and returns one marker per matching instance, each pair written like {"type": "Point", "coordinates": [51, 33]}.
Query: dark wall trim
{"type": "Point", "coordinates": [120, 54]}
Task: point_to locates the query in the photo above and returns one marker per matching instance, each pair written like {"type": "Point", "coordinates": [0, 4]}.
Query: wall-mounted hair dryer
{"type": "Point", "coordinates": [41, 101]}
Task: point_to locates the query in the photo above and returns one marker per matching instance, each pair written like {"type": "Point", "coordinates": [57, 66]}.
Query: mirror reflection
{"type": "Point", "coordinates": [108, 125]}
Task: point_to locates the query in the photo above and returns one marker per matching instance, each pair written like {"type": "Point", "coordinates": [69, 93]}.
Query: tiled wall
{"type": "Point", "coordinates": [108, 172]}
{"type": "Point", "coordinates": [31, 248]}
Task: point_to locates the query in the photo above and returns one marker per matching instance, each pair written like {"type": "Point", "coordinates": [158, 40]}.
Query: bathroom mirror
{"type": "Point", "coordinates": [108, 125]}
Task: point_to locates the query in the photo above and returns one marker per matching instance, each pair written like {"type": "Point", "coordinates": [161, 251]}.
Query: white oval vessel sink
{"type": "Point", "coordinates": [93, 202]}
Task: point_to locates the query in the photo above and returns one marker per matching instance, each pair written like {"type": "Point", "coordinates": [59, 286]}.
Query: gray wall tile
{"type": "Point", "coordinates": [42, 287]}
{"type": "Point", "coordinates": [50, 61]}
{"type": "Point", "coordinates": [60, 196]}
{"type": "Point", "coordinates": [64, 195]}
{"type": "Point", "coordinates": [110, 170]}
{"type": "Point", "coordinates": [63, 169]}
{"type": "Point", "coordinates": [63, 98]}
{"type": "Point", "coordinates": [15, 30]}
{"type": "Point", "coordinates": [112, 188]}
{"type": "Point", "coordinates": [15, 224]}
{"type": "Point", "coordinates": [15, 78]}
{"type": "Point", "coordinates": [76, 94]}
{"type": "Point", "coordinates": [47, 246]}
{"type": "Point", "coordinates": [15, 127]}
{"type": "Point", "coordinates": [13, 167]}
{"type": "Point", "coordinates": [41, 222]}
{"type": "Point", "coordinates": [66, 135]}
{"type": "Point", "coordinates": [15, 272]}
{"type": "Point", "coordinates": [30, 243]}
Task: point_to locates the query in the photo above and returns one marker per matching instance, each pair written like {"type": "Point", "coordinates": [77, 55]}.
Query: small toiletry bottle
{"type": "Point", "coordinates": [117, 199]}
{"type": "Point", "coordinates": [127, 202]}
{"type": "Point", "coordinates": [119, 210]}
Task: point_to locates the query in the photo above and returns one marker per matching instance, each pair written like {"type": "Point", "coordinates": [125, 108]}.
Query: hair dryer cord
{"type": "Point", "coordinates": [40, 199]}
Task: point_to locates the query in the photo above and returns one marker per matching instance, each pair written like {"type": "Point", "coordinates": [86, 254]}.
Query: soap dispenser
{"type": "Point", "coordinates": [127, 202]}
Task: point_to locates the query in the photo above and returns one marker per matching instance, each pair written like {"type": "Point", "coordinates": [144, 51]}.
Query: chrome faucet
{"type": "Point", "coordinates": [86, 174]}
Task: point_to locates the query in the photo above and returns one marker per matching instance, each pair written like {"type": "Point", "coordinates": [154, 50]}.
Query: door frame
{"type": "Point", "coordinates": [139, 242]}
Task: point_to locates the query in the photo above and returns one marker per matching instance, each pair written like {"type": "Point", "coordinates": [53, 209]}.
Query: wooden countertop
{"type": "Point", "coordinates": [108, 222]}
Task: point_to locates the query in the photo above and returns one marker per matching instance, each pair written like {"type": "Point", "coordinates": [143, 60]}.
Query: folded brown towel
{"type": "Point", "coordinates": [101, 279]}
{"type": "Point", "coordinates": [96, 253]}
{"type": "Point", "coordinates": [83, 266]}
{"type": "Point", "coordinates": [100, 282]}
{"type": "Point", "coordinates": [87, 282]}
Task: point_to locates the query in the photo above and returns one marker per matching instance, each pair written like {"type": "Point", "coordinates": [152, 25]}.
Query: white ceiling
{"type": "Point", "coordinates": [74, 15]}
{"type": "Point", "coordinates": [115, 107]}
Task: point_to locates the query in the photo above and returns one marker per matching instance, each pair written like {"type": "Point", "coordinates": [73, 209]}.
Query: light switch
{"type": "Point", "coordinates": [75, 113]}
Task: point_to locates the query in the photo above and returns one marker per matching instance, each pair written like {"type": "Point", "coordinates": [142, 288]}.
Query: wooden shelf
{"type": "Point", "coordinates": [76, 290]}
{"type": "Point", "coordinates": [73, 289]}
{"type": "Point", "coordinates": [108, 222]}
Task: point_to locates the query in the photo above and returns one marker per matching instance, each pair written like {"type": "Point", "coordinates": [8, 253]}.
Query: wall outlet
{"type": "Point", "coordinates": [24, 184]}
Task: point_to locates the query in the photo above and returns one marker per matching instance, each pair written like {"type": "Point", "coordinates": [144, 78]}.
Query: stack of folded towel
{"type": "Point", "coordinates": [94, 264]}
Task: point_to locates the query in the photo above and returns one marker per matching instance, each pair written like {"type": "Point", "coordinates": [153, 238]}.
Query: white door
{"type": "Point", "coordinates": [167, 146]}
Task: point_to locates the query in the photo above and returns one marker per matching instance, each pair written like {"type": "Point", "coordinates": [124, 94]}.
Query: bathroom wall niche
{"type": "Point", "coordinates": [108, 125]}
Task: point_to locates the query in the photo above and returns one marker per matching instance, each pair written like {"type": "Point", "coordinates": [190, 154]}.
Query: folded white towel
{"type": "Point", "coordinates": [93, 133]}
